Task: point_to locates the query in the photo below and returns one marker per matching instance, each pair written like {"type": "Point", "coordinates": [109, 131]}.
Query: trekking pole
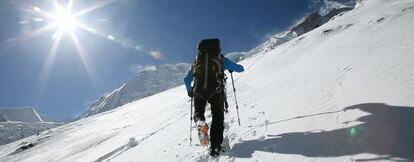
{"type": "Point", "coordinates": [191, 120]}
{"type": "Point", "coordinates": [235, 98]}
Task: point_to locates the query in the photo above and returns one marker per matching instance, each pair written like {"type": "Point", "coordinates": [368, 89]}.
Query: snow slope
{"type": "Point", "coordinates": [12, 131]}
{"type": "Point", "coordinates": [147, 82]}
{"type": "Point", "coordinates": [18, 123]}
{"type": "Point", "coordinates": [342, 92]}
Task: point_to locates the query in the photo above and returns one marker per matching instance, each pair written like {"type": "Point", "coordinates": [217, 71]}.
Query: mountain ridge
{"type": "Point", "coordinates": [146, 83]}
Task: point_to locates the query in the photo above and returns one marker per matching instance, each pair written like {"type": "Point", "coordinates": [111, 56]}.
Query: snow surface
{"type": "Point", "coordinates": [12, 131]}
{"type": "Point", "coordinates": [342, 92]}
{"type": "Point", "coordinates": [18, 123]}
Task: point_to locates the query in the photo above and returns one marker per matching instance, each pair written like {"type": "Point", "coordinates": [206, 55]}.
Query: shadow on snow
{"type": "Point", "coordinates": [387, 131]}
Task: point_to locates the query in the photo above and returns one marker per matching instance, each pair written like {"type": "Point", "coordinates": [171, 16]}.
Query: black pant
{"type": "Point", "coordinates": [217, 110]}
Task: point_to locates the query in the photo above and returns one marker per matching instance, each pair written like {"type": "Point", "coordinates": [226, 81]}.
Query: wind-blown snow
{"type": "Point", "coordinates": [342, 92]}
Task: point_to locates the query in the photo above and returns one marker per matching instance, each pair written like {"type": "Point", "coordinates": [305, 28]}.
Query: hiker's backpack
{"type": "Point", "coordinates": [208, 68]}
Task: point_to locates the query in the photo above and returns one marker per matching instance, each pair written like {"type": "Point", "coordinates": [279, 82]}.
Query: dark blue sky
{"type": "Point", "coordinates": [170, 27]}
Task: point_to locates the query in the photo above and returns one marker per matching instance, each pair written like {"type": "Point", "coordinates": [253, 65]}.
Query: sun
{"type": "Point", "coordinates": [65, 21]}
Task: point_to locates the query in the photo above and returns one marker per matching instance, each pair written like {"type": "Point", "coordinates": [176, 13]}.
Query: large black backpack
{"type": "Point", "coordinates": [208, 68]}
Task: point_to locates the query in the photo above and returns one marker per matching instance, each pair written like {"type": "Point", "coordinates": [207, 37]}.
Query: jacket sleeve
{"type": "Point", "coordinates": [230, 65]}
{"type": "Point", "coordinates": [187, 81]}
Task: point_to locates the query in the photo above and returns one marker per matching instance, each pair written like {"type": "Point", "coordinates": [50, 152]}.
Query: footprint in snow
{"type": "Point", "coordinates": [336, 29]}
{"type": "Point", "coordinates": [22, 148]}
{"type": "Point", "coordinates": [252, 118]}
{"type": "Point", "coordinates": [406, 9]}
{"type": "Point", "coordinates": [253, 133]}
{"type": "Point", "coordinates": [118, 151]}
{"type": "Point", "coordinates": [327, 31]}
{"type": "Point", "coordinates": [348, 68]}
{"type": "Point", "coordinates": [380, 20]}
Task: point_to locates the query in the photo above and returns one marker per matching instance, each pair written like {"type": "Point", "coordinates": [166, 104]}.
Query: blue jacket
{"type": "Point", "coordinates": [228, 64]}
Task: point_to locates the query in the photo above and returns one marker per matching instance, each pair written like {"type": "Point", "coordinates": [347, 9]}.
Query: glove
{"type": "Point", "coordinates": [190, 94]}
{"type": "Point", "coordinates": [231, 71]}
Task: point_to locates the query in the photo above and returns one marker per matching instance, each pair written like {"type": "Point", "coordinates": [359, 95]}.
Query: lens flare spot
{"type": "Point", "coordinates": [37, 9]}
{"type": "Point", "coordinates": [38, 19]}
{"type": "Point", "coordinates": [353, 131]}
{"type": "Point", "coordinates": [156, 54]}
{"type": "Point", "coordinates": [110, 37]}
{"type": "Point", "coordinates": [24, 22]}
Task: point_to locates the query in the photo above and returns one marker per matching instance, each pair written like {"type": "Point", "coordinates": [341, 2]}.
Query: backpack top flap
{"type": "Point", "coordinates": [209, 45]}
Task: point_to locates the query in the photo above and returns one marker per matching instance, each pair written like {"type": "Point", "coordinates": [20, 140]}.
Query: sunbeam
{"type": "Point", "coordinates": [110, 37]}
{"type": "Point", "coordinates": [85, 60]}
{"type": "Point", "coordinates": [44, 75]}
{"type": "Point", "coordinates": [42, 12]}
{"type": "Point", "coordinates": [34, 33]}
{"type": "Point", "coordinates": [70, 5]}
{"type": "Point", "coordinates": [93, 7]}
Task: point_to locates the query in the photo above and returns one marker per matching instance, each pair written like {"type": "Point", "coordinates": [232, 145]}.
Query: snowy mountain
{"type": "Point", "coordinates": [146, 83]}
{"type": "Point", "coordinates": [18, 123]}
{"type": "Point", "coordinates": [311, 22]}
{"type": "Point", "coordinates": [341, 92]}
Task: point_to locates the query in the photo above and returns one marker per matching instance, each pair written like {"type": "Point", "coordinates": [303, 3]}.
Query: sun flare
{"type": "Point", "coordinates": [65, 21]}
